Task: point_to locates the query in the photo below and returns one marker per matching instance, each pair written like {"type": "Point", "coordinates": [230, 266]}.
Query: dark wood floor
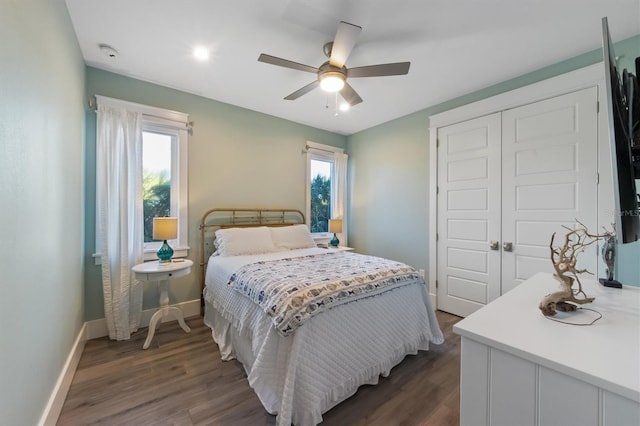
{"type": "Point", "coordinates": [180, 380]}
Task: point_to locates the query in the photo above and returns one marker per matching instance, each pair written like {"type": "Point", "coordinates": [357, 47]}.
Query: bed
{"type": "Point", "coordinates": [307, 333]}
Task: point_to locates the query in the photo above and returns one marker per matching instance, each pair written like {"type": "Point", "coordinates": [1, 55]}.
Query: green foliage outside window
{"type": "Point", "coordinates": [320, 203]}
{"type": "Point", "coordinates": [156, 190]}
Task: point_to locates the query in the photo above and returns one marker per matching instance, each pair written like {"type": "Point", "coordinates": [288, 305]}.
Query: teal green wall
{"type": "Point", "coordinates": [389, 175]}
{"type": "Point", "coordinates": [237, 158]}
{"type": "Point", "coordinates": [388, 197]}
{"type": "Point", "coordinates": [42, 214]}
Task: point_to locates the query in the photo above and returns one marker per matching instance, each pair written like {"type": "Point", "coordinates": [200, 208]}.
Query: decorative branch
{"type": "Point", "coordinates": [564, 260]}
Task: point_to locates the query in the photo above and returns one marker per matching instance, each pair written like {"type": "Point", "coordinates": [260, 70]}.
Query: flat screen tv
{"type": "Point", "coordinates": [623, 108]}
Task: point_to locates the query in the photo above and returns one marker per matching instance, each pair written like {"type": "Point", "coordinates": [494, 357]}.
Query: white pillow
{"type": "Point", "coordinates": [240, 241]}
{"type": "Point", "coordinates": [292, 237]}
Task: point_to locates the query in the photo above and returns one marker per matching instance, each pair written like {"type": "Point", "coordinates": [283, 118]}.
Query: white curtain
{"type": "Point", "coordinates": [339, 184]}
{"type": "Point", "coordinates": [120, 216]}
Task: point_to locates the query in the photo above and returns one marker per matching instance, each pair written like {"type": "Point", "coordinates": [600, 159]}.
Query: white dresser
{"type": "Point", "coordinates": [520, 368]}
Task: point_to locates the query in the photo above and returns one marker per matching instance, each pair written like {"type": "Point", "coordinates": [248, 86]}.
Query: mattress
{"type": "Point", "coordinates": [301, 376]}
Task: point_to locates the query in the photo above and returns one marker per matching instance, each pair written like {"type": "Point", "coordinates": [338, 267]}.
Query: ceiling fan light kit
{"type": "Point", "coordinates": [331, 81]}
{"type": "Point", "coordinates": [332, 75]}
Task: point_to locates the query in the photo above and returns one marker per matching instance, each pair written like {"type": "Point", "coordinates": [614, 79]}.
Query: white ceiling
{"type": "Point", "coordinates": [455, 47]}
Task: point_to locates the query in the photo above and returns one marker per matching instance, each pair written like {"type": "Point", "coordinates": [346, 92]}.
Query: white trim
{"type": "Point", "coordinates": [183, 201]}
{"type": "Point", "coordinates": [98, 328]}
{"type": "Point", "coordinates": [180, 117]}
{"type": "Point", "coordinates": [592, 75]}
{"type": "Point", "coordinates": [53, 408]}
{"type": "Point", "coordinates": [178, 252]}
{"type": "Point", "coordinates": [93, 330]}
{"type": "Point", "coordinates": [433, 215]}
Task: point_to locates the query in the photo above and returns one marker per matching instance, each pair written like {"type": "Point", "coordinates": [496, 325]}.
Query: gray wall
{"type": "Point", "coordinates": [389, 176]}
{"type": "Point", "coordinates": [237, 158]}
{"type": "Point", "coordinates": [42, 214]}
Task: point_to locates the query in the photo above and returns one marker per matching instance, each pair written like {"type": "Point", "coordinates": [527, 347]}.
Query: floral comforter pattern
{"type": "Point", "coordinates": [292, 290]}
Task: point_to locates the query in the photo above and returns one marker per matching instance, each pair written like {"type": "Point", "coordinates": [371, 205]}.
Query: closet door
{"type": "Point", "coordinates": [469, 205]}
{"type": "Point", "coordinates": [506, 183]}
{"type": "Point", "coordinates": [549, 172]}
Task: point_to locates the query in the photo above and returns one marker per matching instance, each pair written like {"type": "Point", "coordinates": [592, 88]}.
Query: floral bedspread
{"type": "Point", "coordinates": [292, 290]}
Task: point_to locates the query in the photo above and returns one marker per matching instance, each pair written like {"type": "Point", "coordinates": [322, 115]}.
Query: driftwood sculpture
{"type": "Point", "coordinates": [564, 261]}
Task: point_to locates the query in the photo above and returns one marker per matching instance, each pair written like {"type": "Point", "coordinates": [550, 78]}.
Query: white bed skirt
{"type": "Point", "coordinates": [325, 361]}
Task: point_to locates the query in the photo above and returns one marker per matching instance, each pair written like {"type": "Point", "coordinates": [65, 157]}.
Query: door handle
{"type": "Point", "coordinates": [507, 246]}
{"type": "Point", "coordinates": [494, 245]}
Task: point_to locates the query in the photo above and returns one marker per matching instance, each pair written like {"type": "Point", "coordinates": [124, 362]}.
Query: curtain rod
{"type": "Point", "coordinates": [314, 146]}
{"type": "Point", "coordinates": [188, 124]}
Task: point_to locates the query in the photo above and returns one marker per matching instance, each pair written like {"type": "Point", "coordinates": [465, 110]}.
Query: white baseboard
{"type": "Point", "coordinates": [93, 330]}
{"type": "Point", "coordinates": [56, 400]}
{"type": "Point", "coordinates": [98, 328]}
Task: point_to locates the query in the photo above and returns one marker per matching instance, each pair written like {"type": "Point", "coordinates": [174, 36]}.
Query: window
{"type": "Point", "coordinates": [164, 177]}
{"type": "Point", "coordinates": [320, 192]}
{"type": "Point", "coordinates": [326, 188]}
{"type": "Point", "coordinates": [164, 173]}
{"type": "Point", "coordinates": [156, 178]}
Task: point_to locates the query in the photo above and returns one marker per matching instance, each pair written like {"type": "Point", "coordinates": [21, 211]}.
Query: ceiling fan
{"type": "Point", "coordinates": [332, 75]}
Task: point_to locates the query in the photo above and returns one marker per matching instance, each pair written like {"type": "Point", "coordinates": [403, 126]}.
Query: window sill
{"type": "Point", "coordinates": [150, 254]}
{"type": "Point", "coordinates": [321, 236]}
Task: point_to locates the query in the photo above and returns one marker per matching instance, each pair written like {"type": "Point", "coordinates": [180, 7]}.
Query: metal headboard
{"type": "Point", "coordinates": [221, 218]}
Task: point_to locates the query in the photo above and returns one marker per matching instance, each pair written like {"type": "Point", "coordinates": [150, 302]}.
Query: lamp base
{"type": "Point", "coordinates": [334, 241]}
{"type": "Point", "coordinates": [165, 252]}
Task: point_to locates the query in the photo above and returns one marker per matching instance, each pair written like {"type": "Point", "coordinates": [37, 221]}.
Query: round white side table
{"type": "Point", "coordinates": [162, 273]}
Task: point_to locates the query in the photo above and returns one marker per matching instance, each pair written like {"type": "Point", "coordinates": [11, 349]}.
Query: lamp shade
{"type": "Point", "coordinates": [335, 225]}
{"type": "Point", "coordinates": [165, 228]}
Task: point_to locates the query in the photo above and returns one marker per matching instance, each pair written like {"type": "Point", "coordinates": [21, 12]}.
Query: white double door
{"type": "Point", "coordinates": [506, 183]}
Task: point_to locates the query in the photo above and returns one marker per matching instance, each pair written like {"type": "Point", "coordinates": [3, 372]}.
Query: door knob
{"type": "Point", "coordinates": [494, 245]}
{"type": "Point", "coordinates": [507, 246]}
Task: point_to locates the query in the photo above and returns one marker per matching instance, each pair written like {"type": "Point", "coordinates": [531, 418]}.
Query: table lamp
{"type": "Point", "coordinates": [335, 226]}
{"type": "Point", "coordinates": [165, 228]}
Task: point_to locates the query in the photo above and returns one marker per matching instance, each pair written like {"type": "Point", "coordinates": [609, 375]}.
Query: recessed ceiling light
{"type": "Point", "coordinates": [201, 53]}
{"type": "Point", "coordinates": [344, 106]}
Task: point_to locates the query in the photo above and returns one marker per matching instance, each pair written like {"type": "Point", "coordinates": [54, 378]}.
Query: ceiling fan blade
{"type": "Point", "coordinates": [302, 91]}
{"type": "Point", "coordinates": [381, 70]}
{"type": "Point", "coordinates": [346, 37]}
{"type": "Point", "coordinates": [350, 95]}
{"type": "Point", "coordinates": [273, 60]}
